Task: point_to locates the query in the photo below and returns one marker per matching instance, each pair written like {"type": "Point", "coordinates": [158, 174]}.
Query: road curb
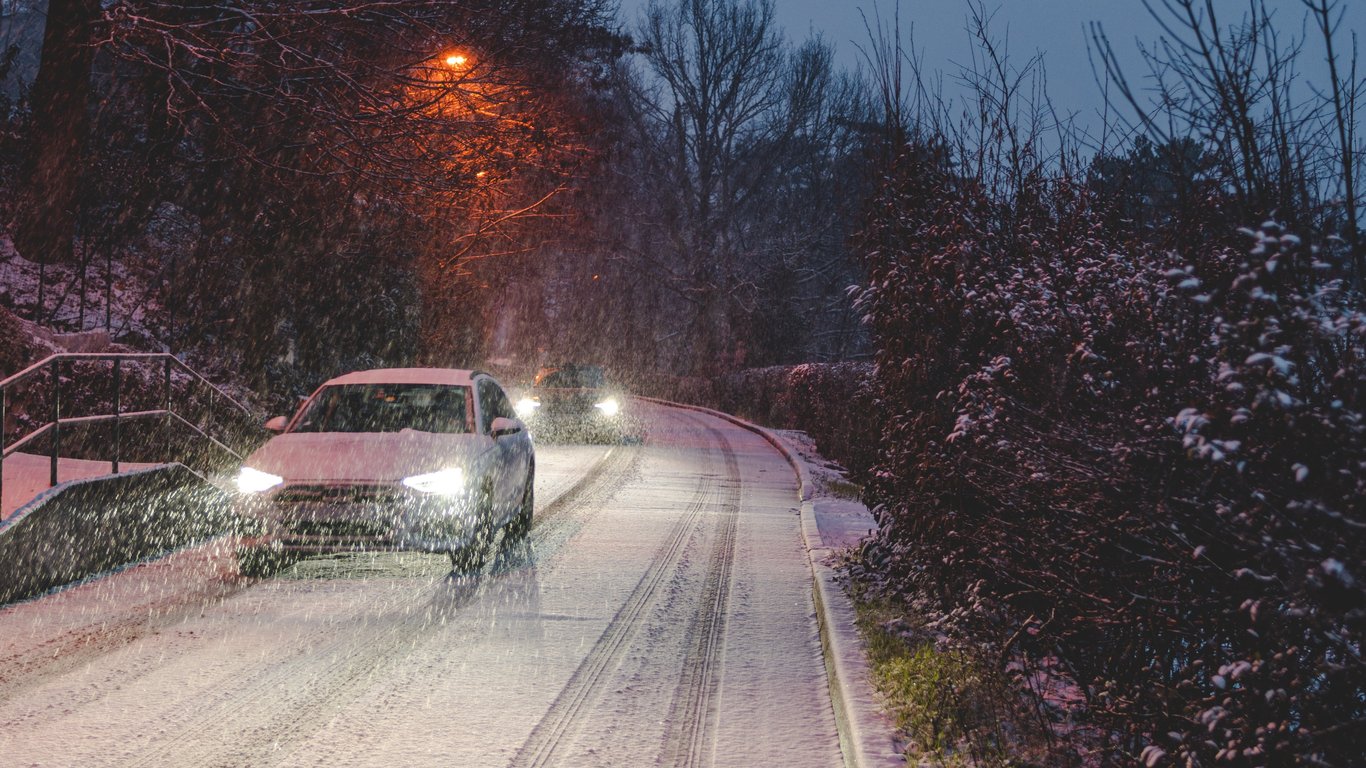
{"type": "Point", "coordinates": [866, 735]}
{"type": "Point", "coordinates": [798, 466]}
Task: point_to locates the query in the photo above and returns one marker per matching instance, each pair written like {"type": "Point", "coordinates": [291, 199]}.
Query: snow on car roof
{"type": "Point", "coordinates": [406, 376]}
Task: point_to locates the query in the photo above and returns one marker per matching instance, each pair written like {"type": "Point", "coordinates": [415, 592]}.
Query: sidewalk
{"type": "Point", "coordinates": [26, 476]}
{"type": "Point", "coordinates": [832, 524]}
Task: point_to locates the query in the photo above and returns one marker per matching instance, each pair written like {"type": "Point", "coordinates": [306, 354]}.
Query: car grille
{"type": "Point", "coordinates": [340, 514]}
{"type": "Point", "coordinates": [338, 529]}
{"type": "Point", "coordinates": [574, 400]}
{"type": "Point", "coordinates": [339, 494]}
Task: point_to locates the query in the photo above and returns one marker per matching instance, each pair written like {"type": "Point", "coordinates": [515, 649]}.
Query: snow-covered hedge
{"type": "Point", "coordinates": [1144, 467]}
{"type": "Point", "coordinates": [832, 402]}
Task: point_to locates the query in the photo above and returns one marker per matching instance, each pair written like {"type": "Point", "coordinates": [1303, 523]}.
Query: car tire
{"type": "Point", "coordinates": [520, 524]}
{"type": "Point", "coordinates": [259, 561]}
{"type": "Point", "coordinates": [471, 556]}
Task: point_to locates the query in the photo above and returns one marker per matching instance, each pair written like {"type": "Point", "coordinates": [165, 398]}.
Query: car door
{"type": "Point", "coordinates": [510, 454]}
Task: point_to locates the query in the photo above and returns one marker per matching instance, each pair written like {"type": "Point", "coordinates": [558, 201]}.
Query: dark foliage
{"type": "Point", "coordinates": [832, 402]}
{"type": "Point", "coordinates": [298, 189]}
{"type": "Point", "coordinates": [16, 351]}
{"type": "Point", "coordinates": [1142, 465]}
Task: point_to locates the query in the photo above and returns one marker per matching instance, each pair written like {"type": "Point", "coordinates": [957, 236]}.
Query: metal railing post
{"type": "Point", "coordinates": [56, 418]}
{"type": "Point", "coordinates": [166, 400]}
{"type": "Point", "coordinates": [4, 409]}
{"type": "Point", "coordinates": [208, 411]}
{"type": "Point", "coordinates": [52, 429]}
{"type": "Point", "coordinates": [118, 382]}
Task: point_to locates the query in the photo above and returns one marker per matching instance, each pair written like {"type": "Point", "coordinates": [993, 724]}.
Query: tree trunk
{"type": "Point", "coordinates": [46, 224]}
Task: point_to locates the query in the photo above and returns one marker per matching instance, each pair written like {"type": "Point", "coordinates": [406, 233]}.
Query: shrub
{"type": "Point", "coordinates": [16, 351]}
{"type": "Point", "coordinates": [1145, 465]}
{"type": "Point", "coordinates": [832, 402]}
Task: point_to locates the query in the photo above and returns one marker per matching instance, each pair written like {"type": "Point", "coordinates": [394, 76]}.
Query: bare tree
{"type": "Point", "coordinates": [747, 145]}
{"type": "Point", "coordinates": [1344, 90]}
{"type": "Point", "coordinates": [720, 66]}
{"type": "Point", "coordinates": [1233, 88]}
{"type": "Point", "coordinates": [45, 225]}
{"type": "Point", "coordinates": [324, 148]}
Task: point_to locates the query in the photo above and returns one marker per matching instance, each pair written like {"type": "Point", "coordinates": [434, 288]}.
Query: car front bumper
{"type": "Point", "coordinates": [330, 518]}
{"type": "Point", "coordinates": [555, 421]}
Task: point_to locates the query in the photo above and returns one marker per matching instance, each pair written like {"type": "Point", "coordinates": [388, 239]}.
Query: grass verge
{"type": "Point", "coordinates": [952, 709]}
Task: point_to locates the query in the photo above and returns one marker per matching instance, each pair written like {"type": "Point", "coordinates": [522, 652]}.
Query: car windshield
{"type": "Point", "coordinates": [571, 376]}
{"type": "Point", "coordinates": [385, 408]}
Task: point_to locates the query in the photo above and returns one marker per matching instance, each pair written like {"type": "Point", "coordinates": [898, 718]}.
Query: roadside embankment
{"type": "Point", "coordinates": [83, 527]}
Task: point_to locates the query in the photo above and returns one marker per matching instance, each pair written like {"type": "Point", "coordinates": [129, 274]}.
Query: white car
{"type": "Point", "coordinates": [429, 459]}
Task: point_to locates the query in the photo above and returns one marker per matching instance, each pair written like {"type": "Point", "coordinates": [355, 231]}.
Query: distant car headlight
{"type": "Point", "coordinates": [255, 481]}
{"type": "Point", "coordinates": [609, 407]}
{"type": "Point", "coordinates": [445, 482]}
{"type": "Point", "coordinates": [525, 407]}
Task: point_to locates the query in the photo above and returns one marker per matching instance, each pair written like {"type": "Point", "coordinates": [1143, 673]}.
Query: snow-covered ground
{"type": "Point", "coordinates": [661, 613]}
{"type": "Point", "coordinates": [26, 476]}
{"type": "Point", "coordinates": [133, 302]}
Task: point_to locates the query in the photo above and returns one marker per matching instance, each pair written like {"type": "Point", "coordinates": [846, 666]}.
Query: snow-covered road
{"type": "Point", "coordinates": [660, 614]}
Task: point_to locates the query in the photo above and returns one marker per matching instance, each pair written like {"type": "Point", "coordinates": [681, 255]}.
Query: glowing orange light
{"type": "Point", "coordinates": [455, 60]}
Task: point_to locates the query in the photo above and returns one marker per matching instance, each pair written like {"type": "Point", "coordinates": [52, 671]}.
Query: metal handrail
{"type": "Point", "coordinates": [52, 367]}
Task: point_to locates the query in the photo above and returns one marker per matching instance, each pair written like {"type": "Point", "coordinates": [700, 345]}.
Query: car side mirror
{"type": "Point", "coordinates": [277, 424]}
{"type": "Point", "coordinates": [505, 426]}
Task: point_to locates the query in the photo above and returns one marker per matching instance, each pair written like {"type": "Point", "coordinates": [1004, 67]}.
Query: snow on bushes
{"type": "Point", "coordinates": [1147, 467]}
{"type": "Point", "coordinates": [832, 402]}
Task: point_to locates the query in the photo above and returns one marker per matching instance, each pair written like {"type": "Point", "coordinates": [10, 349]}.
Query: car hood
{"type": "Point", "coordinates": [363, 457]}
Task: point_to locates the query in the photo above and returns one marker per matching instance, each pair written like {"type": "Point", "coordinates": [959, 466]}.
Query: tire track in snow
{"type": "Point", "coordinates": [564, 718]}
{"type": "Point", "coordinates": [351, 675]}
{"type": "Point", "coordinates": [257, 718]}
{"type": "Point", "coordinates": [25, 668]}
{"type": "Point", "coordinates": [555, 524]}
{"type": "Point", "coordinates": [80, 646]}
{"type": "Point", "coordinates": [287, 718]}
{"type": "Point", "coordinates": [689, 738]}
{"type": "Point", "coordinates": [266, 722]}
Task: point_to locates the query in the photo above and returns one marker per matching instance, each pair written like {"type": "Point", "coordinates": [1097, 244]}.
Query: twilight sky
{"type": "Point", "coordinates": [1055, 28]}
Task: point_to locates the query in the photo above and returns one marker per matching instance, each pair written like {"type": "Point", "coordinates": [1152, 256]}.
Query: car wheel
{"type": "Point", "coordinates": [471, 556]}
{"type": "Point", "coordinates": [258, 561]}
{"type": "Point", "coordinates": [520, 525]}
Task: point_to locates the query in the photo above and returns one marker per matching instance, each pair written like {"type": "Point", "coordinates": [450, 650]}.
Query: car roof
{"type": "Point", "coordinates": [450, 376]}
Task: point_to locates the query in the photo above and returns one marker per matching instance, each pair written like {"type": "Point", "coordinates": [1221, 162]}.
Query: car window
{"type": "Point", "coordinates": [571, 377]}
{"type": "Point", "coordinates": [385, 408]}
{"type": "Point", "coordinates": [486, 405]}
{"type": "Point", "coordinates": [502, 405]}
{"type": "Point", "coordinates": [493, 402]}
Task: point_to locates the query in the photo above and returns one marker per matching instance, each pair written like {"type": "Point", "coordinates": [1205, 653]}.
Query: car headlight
{"type": "Point", "coordinates": [525, 407]}
{"type": "Point", "coordinates": [445, 482]}
{"type": "Point", "coordinates": [255, 481]}
{"type": "Point", "coordinates": [609, 407]}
